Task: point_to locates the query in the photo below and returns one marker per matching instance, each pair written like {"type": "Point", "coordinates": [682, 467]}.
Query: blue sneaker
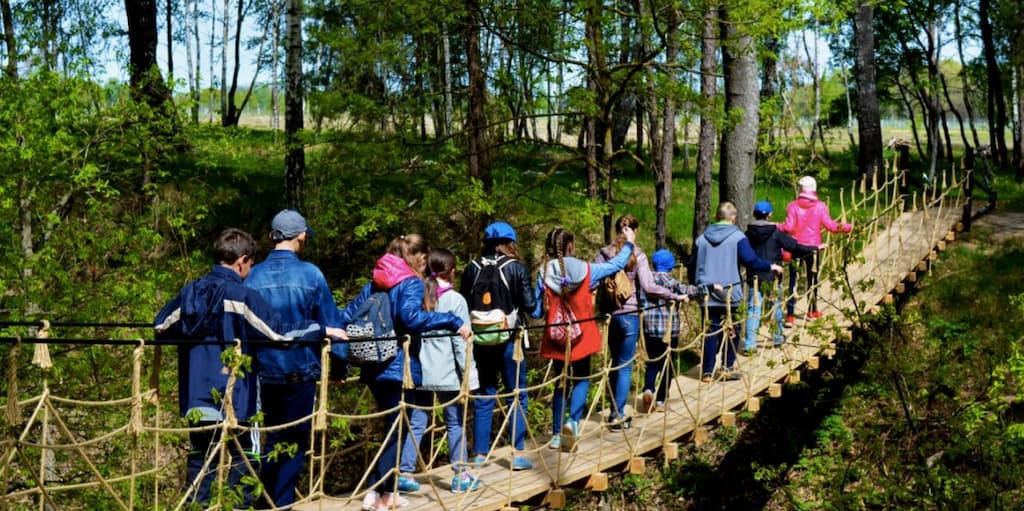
{"type": "Point", "coordinates": [556, 442]}
{"type": "Point", "coordinates": [464, 482]}
{"type": "Point", "coordinates": [478, 460]}
{"type": "Point", "coordinates": [407, 484]}
{"type": "Point", "coordinates": [521, 463]}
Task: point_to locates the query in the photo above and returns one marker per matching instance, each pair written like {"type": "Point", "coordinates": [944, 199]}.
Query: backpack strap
{"type": "Point", "coordinates": [497, 261]}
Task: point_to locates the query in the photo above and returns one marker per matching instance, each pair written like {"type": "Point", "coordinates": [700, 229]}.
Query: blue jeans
{"type": "Point", "coordinates": [713, 340]}
{"type": "Point", "coordinates": [761, 297]}
{"type": "Point", "coordinates": [494, 364]}
{"type": "Point", "coordinates": [577, 387]}
{"type": "Point", "coordinates": [810, 265]}
{"type": "Point", "coordinates": [201, 443]}
{"type": "Point", "coordinates": [418, 425]}
{"type": "Point", "coordinates": [282, 404]}
{"type": "Point", "coordinates": [622, 335]}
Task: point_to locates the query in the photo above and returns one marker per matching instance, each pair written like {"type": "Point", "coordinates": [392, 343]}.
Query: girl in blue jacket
{"type": "Point", "coordinates": [398, 272]}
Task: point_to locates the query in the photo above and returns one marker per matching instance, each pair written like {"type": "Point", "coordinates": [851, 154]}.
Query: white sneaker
{"type": "Point", "coordinates": [370, 500]}
{"type": "Point", "coordinates": [373, 501]}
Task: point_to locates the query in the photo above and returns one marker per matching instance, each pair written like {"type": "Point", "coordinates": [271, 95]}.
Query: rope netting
{"type": "Point", "coordinates": [123, 446]}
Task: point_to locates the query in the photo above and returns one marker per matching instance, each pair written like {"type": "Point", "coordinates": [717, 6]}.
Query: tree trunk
{"type": "Point", "coordinates": [1018, 132]}
{"type": "Point", "coordinates": [477, 154]}
{"type": "Point", "coordinates": [169, 7]}
{"type": "Point", "coordinates": [996, 102]}
{"type": "Point", "coordinates": [275, 62]}
{"type": "Point", "coordinates": [446, 61]}
{"type": "Point", "coordinates": [11, 69]}
{"type": "Point", "coordinates": [739, 145]}
{"type": "Point", "coordinates": [295, 161]}
{"type": "Point", "coordinates": [958, 36]}
{"type": "Point", "coordinates": [707, 136]}
{"type": "Point", "coordinates": [213, 44]}
{"type": "Point", "coordinates": [147, 84]}
{"type": "Point", "coordinates": [666, 157]}
{"type": "Point", "coordinates": [224, 65]}
{"type": "Point", "coordinates": [769, 87]}
{"type": "Point", "coordinates": [199, 62]}
{"type": "Point", "coordinates": [233, 112]}
{"type": "Point", "coordinates": [870, 159]}
{"type": "Point", "coordinates": [910, 115]}
{"type": "Point", "coordinates": [187, 8]}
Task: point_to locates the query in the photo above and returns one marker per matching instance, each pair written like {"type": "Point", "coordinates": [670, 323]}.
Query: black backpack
{"type": "Point", "coordinates": [490, 301]}
{"type": "Point", "coordinates": [372, 331]}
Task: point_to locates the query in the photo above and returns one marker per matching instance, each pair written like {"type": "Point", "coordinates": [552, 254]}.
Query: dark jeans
{"type": "Point", "coordinates": [810, 265]}
{"type": "Point", "coordinates": [714, 338]}
{"type": "Point", "coordinates": [242, 444]}
{"type": "Point", "coordinates": [659, 365]}
{"type": "Point", "coordinates": [282, 404]}
{"type": "Point", "coordinates": [387, 395]}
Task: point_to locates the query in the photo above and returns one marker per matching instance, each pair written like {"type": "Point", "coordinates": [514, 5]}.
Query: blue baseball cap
{"type": "Point", "coordinates": [763, 208]}
{"type": "Point", "coordinates": [288, 224]}
{"type": "Point", "coordinates": [663, 260]}
{"type": "Point", "coordinates": [500, 231]}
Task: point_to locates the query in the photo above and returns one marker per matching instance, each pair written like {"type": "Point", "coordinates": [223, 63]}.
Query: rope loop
{"type": "Point", "coordinates": [407, 381]}
{"type": "Point", "coordinates": [13, 412]}
{"type": "Point", "coordinates": [135, 422]}
{"type": "Point", "coordinates": [41, 355]}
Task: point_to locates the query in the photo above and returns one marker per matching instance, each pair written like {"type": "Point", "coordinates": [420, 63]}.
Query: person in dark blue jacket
{"type": "Point", "coordinates": [213, 311]}
{"type": "Point", "coordinates": [398, 272]}
{"type": "Point", "coordinates": [765, 287]}
{"type": "Point", "coordinates": [297, 291]}
{"type": "Point", "coordinates": [718, 254]}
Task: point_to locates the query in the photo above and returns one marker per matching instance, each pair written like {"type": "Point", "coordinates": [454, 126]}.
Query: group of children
{"type": "Point", "coordinates": [459, 339]}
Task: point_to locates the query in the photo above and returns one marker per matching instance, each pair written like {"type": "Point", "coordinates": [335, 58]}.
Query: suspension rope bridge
{"type": "Point", "coordinates": [126, 451]}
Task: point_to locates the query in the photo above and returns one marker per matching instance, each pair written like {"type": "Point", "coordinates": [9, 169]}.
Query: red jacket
{"type": "Point", "coordinates": [581, 302]}
{"type": "Point", "coordinates": [805, 218]}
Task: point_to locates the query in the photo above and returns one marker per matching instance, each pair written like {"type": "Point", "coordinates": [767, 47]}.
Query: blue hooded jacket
{"type": "Point", "coordinates": [214, 308]}
{"type": "Point", "coordinates": [405, 291]}
{"type": "Point", "coordinates": [720, 251]}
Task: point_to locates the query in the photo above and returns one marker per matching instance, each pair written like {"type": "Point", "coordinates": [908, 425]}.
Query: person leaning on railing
{"type": "Point", "coordinates": [215, 310]}
{"type": "Point", "coordinates": [571, 335]}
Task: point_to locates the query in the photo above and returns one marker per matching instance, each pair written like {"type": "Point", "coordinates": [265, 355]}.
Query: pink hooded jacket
{"type": "Point", "coordinates": [805, 217]}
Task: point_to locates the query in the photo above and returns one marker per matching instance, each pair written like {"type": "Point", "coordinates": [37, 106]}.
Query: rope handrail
{"type": "Point", "coordinates": [267, 342]}
{"type": "Point", "coordinates": [693, 402]}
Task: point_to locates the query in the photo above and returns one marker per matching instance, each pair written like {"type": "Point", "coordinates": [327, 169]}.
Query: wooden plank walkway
{"type": "Point", "coordinates": [889, 260]}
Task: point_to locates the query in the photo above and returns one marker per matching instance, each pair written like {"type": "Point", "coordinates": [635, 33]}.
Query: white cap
{"type": "Point", "coordinates": [807, 184]}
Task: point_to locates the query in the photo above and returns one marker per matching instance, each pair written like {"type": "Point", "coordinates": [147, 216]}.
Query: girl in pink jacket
{"type": "Point", "coordinates": [805, 217]}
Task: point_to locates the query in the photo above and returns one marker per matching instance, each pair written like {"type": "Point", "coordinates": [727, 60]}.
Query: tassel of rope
{"type": "Point", "coordinates": [407, 382]}
{"type": "Point", "coordinates": [13, 412]}
{"type": "Point", "coordinates": [154, 374]}
{"type": "Point", "coordinates": [230, 419]}
{"type": "Point", "coordinates": [41, 356]}
{"type": "Point", "coordinates": [135, 421]}
{"type": "Point", "coordinates": [517, 350]}
{"type": "Point", "coordinates": [320, 419]}
{"type": "Point", "coordinates": [641, 340]}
